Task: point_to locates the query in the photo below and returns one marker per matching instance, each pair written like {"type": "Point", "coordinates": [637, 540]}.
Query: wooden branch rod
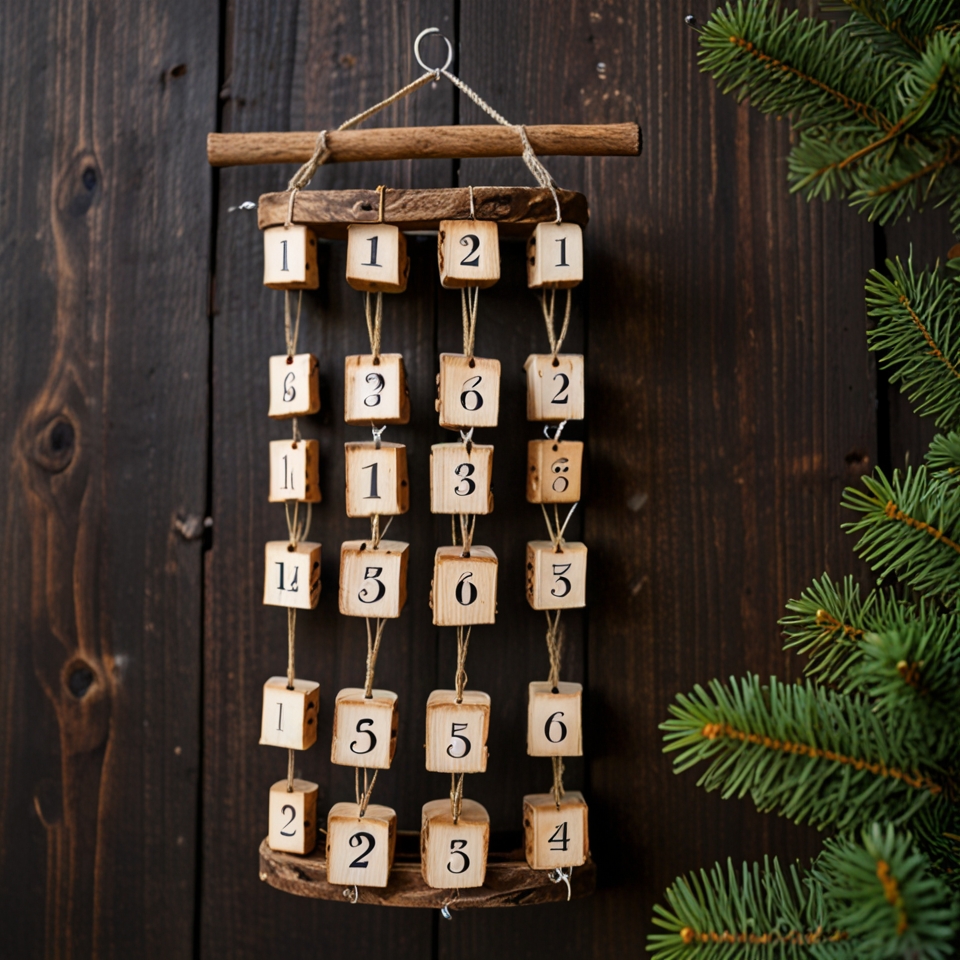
{"type": "Point", "coordinates": [425, 143]}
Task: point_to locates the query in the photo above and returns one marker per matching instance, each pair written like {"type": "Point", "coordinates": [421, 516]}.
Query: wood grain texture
{"type": "Point", "coordinates": [103, 408]}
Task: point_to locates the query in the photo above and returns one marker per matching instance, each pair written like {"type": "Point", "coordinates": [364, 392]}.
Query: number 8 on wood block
{"type": "Point", "coordinates": [360, 849]}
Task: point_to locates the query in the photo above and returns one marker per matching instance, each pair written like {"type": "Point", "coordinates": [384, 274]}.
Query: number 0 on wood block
{"type": "Point", "coordinates": [464, 588]}
{"type": "Point", "coordinates": [555, 838]}
{"type": "Point", "coordinates": [554, 387]}
{"type": "Point", "coordinates": [375, 393]}
{"type": "Point", "coordinates": [290, 258]}
{"type": "Point", "coordinates": [360, 849]}
{"type": "Point", "coordinates": [376, 479]}
{"type": "Point", "coordinates": [556, 581]}
{"type": "Point", "coordinates": [553, 720]}
{"type": "Point", "coordinates": [554, 471]}
{"type": "Point", "coordinates": [294, 471]}
{"type": "Point", "coordinates": [457, 732]}
{"type": "Point", "coordinates": [377, 258]}
{"type": "Point", "coordinates": [364, 729]}
{"type": "Point", "coordinates": [454, 855]}
{"type": "Point", "coordinates": [289, 717]}
{"type": "Point", "coordinates": [293, 817]}
{"type": "Point", "coordinates": [291, 576]}
{"type": "Point", "coordinates": [555, 256]}
{"type": "Point", "coordinates": [460, 478]}
{"type": "Point", "coordinates": [468, 253]}
{"type": "Point", "coordinates": [373, 583]}
{"type": "Point", "coordinates": [294, 386]}
{"type": "Point", "coordinates": [468, 392]}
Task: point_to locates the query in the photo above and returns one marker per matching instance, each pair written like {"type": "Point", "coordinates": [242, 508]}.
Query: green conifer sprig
{"type": "Point", "coordinates": [918, 334]}
{"type": "Point", "coordinates": [910, 527]}
{"type": "Point", "coordinates": [803, 751]}
{"type": "Point", "coordinates": [937, 829]}
{"type": "Point", "coordinates": [882, 893]}
{"type": "Point", "coordinates": [943, 456]}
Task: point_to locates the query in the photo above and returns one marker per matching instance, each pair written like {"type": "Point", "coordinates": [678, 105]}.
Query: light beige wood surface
{"type": "Point", "coordinates": [364, 729]}
{"type": "Point", "coordinates": [554, 471]}
{"type": "Point", "coordinates": [290, 258]}
{"type": "Point", "coordinates": [360, 849]}
{"type": "Point", "coordinates": [468, 253]}
{"type": "Point", "coordinates": [377, 258]}
{"type": "Point", "coordinates": [293, 817]}
{"type": "Point", "coordinates": [454, 855]}
{"type": "Point", "coordinates": [554, 387]}
{"type": "Point", "coordinates": [555, 838]}
{"type": "Point", "coordinates": [553, 719]}
{"type": "Point", "coordinates": [457, 732]}
{"type": "Point", "coordinates": [555, 256]}
{"type": "Point", "coordinates": [464, 589]}
{"type": "Point", "coordinates": [291, 576]}
{"type": "Point", "coordinates": [294, 386]}
{"type": "Point", "coordinates": [468, 391]}
{"type": "Point", "coordinates": [375, 390]}
{"type": "Point", "coordinates": [289, 718]}
{"type": "Point", "coordinates": [373, 583]}
{"type": "Point", "coordinates": [376, 479]}
{"type": "Point", "coordinates": [294, 471]}
{"type": "Point", "coordinates": [556, 581]}
{"type": "Point", "coordinates": [460, 477]}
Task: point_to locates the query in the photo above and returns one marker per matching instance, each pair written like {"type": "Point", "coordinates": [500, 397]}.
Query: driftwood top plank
{"type": "Point", "coordinates": [517, 210]}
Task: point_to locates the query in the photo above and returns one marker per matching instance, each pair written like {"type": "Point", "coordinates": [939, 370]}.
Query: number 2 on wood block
{"type": "Point", "coordinates": [290, 258]}
{"type": "Point", "coordinates": [360, 849]}
{"type": "Point", "coordinates": [294, 386]}
{"type": "Point", "coordinates": [293, 817]}
{"type": "Point", "coordinates": [294, 471]}
{"type": "Point", "coordinates": [373, 583]}
{"type": "Point", "coordinates": [376, 479]}
{"type": "Point", "coordinates": [554, 471]}
{"type": "Point", "coordinates": [469, 253]}
{"type": "Point", "coordinates": [555, 837]}
{"type": "Point", "coordinates": [556, 581]}
{"type": "Point", "coordinates": [468, 392]}
{"type": "Point", "coordinates": [460, 477]}
{"type": "Point", "coordinates": [554, 387]}
{"type": "Point", "coordinates": [464, 588]}
{"type": "Point", "coordinates": [364, 729]}
{"type": "Point", "coordinates": [454, 855]}
{"type": "Point", "coordinates": [292, 575]}
{"type": "Point", "coordinates": [553, 720]}
{"type": "Point", "coordinates": [457, 732]}
{"type": "Point", "coordinates": [289, 717]}
{"type": "Point", "coordinates": [555, 256]}
{"type": "Point", "coordinates": [375, 393]}
{"type": "Point", "coordinates": [377, 258]}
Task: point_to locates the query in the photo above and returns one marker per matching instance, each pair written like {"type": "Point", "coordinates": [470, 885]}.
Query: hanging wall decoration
{"type": "Point", "coordinates": [358, 861]}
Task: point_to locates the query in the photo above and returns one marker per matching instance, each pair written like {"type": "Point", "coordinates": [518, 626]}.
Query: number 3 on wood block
{"type": "Point", "coordinates": [460, 478]}
{"type": "Point", "coordinates": [373, 583]}
{"type": "Point", "coordinates": [293, 817]}
{"type": "Point", "coordinates": [454, 855]}
{"type": "Point", "coordinates": [555, 837]}
{"type": "Point", "coordinates": [360, 849]}
{"type": "Point", "coordinates": [556, 580]}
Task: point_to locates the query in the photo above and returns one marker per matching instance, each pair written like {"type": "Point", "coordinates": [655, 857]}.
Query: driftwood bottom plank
{"type": "Point", "coordinates": [509, 883]}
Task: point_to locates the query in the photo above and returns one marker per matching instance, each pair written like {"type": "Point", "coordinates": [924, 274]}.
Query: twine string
{"type": "Point", "coordinates": [374, 317]}
{"type": "Point", "coordinates": [555, 529]}
{"type": "Point", "coordinates": [468, 523]}
{"type": "Point", "coordinates": [463, 643]}
{"type": "Point", "coordinates": [290, 763]}
{"type": "Point", "coordinates": [554, 648]}
{"type": "Point", "coordinates": [557, 780]}
{"type": "Point", "coordinates": [297, 527]}
{"type": "Point", "coordinates": [469, 299]}
{"type": "Point", "coordinates": [291, 330]}
{"type": "Point", "coordinates": [363, 798]}
{"type": "Point", "coordinates": [374, 636]}
{"type": "Point", "coordinates": [548, 301]}
{"type": "Point", "coordinates": [456, 796]}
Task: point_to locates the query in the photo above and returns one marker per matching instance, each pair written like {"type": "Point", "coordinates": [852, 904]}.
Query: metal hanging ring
{"type": "Point", "coordinates": [416, 50]}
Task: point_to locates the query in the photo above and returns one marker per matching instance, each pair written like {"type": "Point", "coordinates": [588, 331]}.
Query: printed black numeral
{"type": "Point", "coordinates": [456, 847]}
{"type": "Point", "coordinates": [473, 241]}
{"type": "Point", "coordinates": [465, 588]}
{"type": "Point", "coordinates": [373, 253]}
{"type": "Point", "coordinates": [284, 268]}
{"type": "Point", "coordinates": [355, 841]}
{"type": "Point", "coordinates": [455, 734]}
{"type": "Point", "coordinates": [371, 573]}
{"type": "Point", "coordinates": [374, 470]}
{"type": "Point", "coordinates": [365, 722]}
{"type": "Point", "coordinates": [560, 836]}
{"type": "Point", "coordinates": [470, 398]}
{"type": "Point", "coordinates": [563, 252]}
{"type": "Point", "coordinates": [560, 396]}
{"type": "Point", "coordinates": [373, 399]}
{"type": "Point", "coordinates": [289, 390]}
{"type": "Point", "coordinates": [283, 810]}
{"type": "Point", "coordinates": [465, 471]}
{"type": "Point", "coordinates": [553, 721]}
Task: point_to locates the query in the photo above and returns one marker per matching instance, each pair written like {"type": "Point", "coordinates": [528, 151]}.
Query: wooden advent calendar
{"type": "Point", "coordinates": [349, 851]}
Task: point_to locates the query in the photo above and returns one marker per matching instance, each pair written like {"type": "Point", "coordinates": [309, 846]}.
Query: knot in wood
{"type": "Point", "coordinates": [55, 444]}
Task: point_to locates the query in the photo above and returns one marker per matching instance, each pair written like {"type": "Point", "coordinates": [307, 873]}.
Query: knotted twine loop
{"type": "Point", "coordinates": [456, 797]}
{"type": "Point", "coordinates": [555, 530]}
{"type": "Point", "coordinates": [374, 317]}
{"type": "Point", "coordinates": [558, 790]}
{"type": "Point", "coordinates": [554, 648]}
{"type": "Point", "coordinates": [469, 298]}
{"type": "Point", "coordinates": [547, 304]}
{"type": "Point", "coordinates": [463, 642]}
{"type": "Point", "coordinates": [363, 799]}
{"type": "Point", "coordinates": [561, 874]}
{"type": "Point", "coordinates": [373, 649]}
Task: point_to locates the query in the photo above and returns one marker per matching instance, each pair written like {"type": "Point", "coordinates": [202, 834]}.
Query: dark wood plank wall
{"type": "Point", "coordinates": [730, 398]}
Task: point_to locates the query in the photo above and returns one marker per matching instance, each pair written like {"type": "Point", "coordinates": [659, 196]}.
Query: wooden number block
{"type": "Point", "coordinates": [290, 258]}
{"type": "Point", "coordinates": [289, 717]}
{"type": "Point", "coordinates": [468, 392]}
{"type": "Point", "coordinates": [360, 849]}
{"type": "Point", "coordinates": [292, 575]}
{"type": "Point", "coordinates": [553, 720]}
{"type": "Point", "coordinates": [454, 854]}
{"type": "Point", "coordinates": [364, 730]}
{"type": "Point", "coordinates": [373, 583]}
{"type": "Point", "coordinates": [460, 476]}
{"type": "Point", "coordinates": [294, 386]}
{"type": "Point", "coordinates": [464, 589]}
{"type": "Point", "coordinates": [469, 253]}
{"type": "Point", "coordinates": [555, 256]}
{"type": "Point", "coordinates": [457, 732]}
{"type": "Point", "coordinates": [294, 471]}
{"type": "Point", "coordinates": [375, 390]}
{"type": "Point", "coordinates": [377, 258]}
{"type": "Point", "coordinates": [555, 838]}
{"type": "Point", "coordinates": [376, 479]}
{"type": "Point", "coordinates": [554, 471]}
{"type": "Point", "coordinates": [554, 387]}
{"type": "Point", "coordinates": [293, 817]}
{"type": "Point", "coordinates": [556, 581]}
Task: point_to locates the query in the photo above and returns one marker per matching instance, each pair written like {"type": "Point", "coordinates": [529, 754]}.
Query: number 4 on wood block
{"type": "Point", "coordinates": [360, 849]}
{"type": "Point", "coordinates": [553, 720]}
{"type": "Point", "coordinates": [454, 855]}
{"type": "Point", "coordinates": [468, 253]}
{"type": "Point", "coordinates": [375, 392]}
{"type": "Point", "coordinates": [457, 732]}
{"type": "Point", "coordinates": [291, 575]}
{"type": "Point", "coordinates": [289, 717]}
{"type": "Point", "coordinates": [293, 817]}
{"type": "Point", "coordinates": [555, 837]}
{"type": "Point", "coordinates": [290, 258]}
{"type": "Point", "coordinates": [294, 471]}
{"type": "Point", "coordinates": [364, 729]}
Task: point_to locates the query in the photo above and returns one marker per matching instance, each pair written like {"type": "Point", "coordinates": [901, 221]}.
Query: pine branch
{"type": "Point", "coordinates": [804, 751]}
{"type": "Point", "coordinates": [937, 831]}
{"type": "Point", "coordinates": [943, 456]}
{"type": "Point", "coordinates": [910, 528]}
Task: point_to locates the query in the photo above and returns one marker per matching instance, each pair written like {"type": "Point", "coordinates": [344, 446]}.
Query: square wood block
{"type": "Point", "coordinates": [377, 258]}
{"type": "Point", "coordinates": [554, 387]}
{"type": "Point", "coordinates": [375, 392]}
{"type": "Point", "coordinates": [555, 256]}
{"type": "Point", "coordinates": [468, 393]}
{"type": "Point", "coordinates": [555, 838]}
{"type": "Point", "coordinates": [294, 386]}
{"type": "Point", "coordinates": [554, 471]}
{"type": "Point", "coordinates": [291, 574]}
{"type": "Point", "coordinates": [376, 479]}
{"type": "Point", "coordinates": [294, 471]}
{"type": "Point", "coordinates": [464, 589]}
{"type": "Point", "coordinates": [373, 583]}
{"type": "Point", "coordinates": [293, 817]}
{"type": "Point", "coordinates": [289, 717]}
{"type": "Point", "coordinates": [360, 849]}
{"type": "Point", "coordinates": [556, 581]}
{"type": "Point", "coordinates": [553, 720]}
{"type": "Point", "coordinates": [454, 855]}
{"type": "Point", "coordinates": [364, 730]}
{"type": "Point", "coordinates": [468, 253]}
{"type": "Point", "coordinates": [290, 258]}
{"type": "Point", "coordinates": [460, 476]}
{"type": "Point", "coordinates": [457, 732]}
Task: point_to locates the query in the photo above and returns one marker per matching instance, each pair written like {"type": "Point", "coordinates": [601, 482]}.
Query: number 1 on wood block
{"type": "Point", "coordinates": [376, 479]}
{"type": "Point", "coordinates": [377, 258]}
{"type": "Point", "coordinates": [555, 256]}
{"type": "Point", "coordinates": [555, 837]}
{"type": "Point", "coordinates": [290, 258]}
{"type": "Point", "coordinates": [360, 849]}
{"type": "Point", "coordinates": [293, 817]}
{"type": "Point", "coordinates": [289, 717]}
{"type": "Point", "coordinates": [454, 855]}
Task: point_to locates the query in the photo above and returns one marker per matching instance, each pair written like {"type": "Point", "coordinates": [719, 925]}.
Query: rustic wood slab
{"type": "Point", "coordinates": [509, 882]}
{"type": "Point", "coordinates": [517, 210]}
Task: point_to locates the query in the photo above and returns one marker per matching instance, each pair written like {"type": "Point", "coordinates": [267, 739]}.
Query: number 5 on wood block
{"type": "Point", "coordinates": [555, 837]}
{"type": "Point", "coordinates": [376, 479]}
{"type": "Point", "coordinates": [293, 817]}
{"type": "Point", "coordinates": [454, 854]}
{"type": "Point", "coordinates": [556, 580]}
{"type": "Point", "coordinates": [553, 720]}
{"type": "Point", "coordinates": [457, 732]}
{"type": "Point", "coordinates": [360, 849]}
{"type": "Point", "coordinates": [364, 729]}
{"type": "Point", "coordinates": [292, 575]}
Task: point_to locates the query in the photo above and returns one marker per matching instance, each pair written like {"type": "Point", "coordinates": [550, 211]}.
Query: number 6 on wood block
{"type": "Point", "coordinates": [454, 855]}
{"type": "Point", "coordinates": [556, 580]}
{"type": "Point", "coordinates": [468, 393]}
{"type": "Point", "coordinates": [364, 729]}
{"type": "Point", "coordinates": [555, 837]}
{"type": "Point", "coordinates": [294, 386]}
{"type": "Point", "coordinates": [291, 575]}
{"type": "Point", "coordinates": [553, 720]}
{"type": "Point", "coordinates": [293, 817]}
{"type": "Point", "coordinates": [464, 589]}
{"type": "Point", "coordinates": [360, 849]}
